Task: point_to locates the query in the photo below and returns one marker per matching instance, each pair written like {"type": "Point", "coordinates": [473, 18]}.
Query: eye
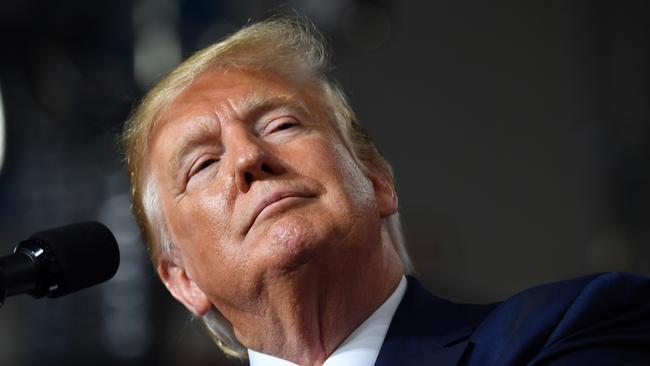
{"type": "Point", "coordinates": [202, 165]}
{"type": "Point", "coordinates": [285, 125]}
{"type": "Point", "coordinates": [281, 124]}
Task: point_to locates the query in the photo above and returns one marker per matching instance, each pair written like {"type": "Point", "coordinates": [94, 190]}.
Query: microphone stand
{"type": "Point", "coordinates": [27, 270]}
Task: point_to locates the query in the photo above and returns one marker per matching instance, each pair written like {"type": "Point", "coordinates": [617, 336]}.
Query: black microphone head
{"type": "Point", "coordinates": [84, 254]}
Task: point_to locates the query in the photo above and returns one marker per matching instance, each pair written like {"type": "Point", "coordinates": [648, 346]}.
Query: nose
{"type": "Point", "coordinates": [252, 159]}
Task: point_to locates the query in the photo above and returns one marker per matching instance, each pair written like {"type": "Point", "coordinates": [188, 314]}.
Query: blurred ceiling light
{"type": "Point", "coordinates": [2, 130]}
{"type": "Point", "coordinates": [157, 46]}
{"type": "Point", "coordinates": [325, 14]}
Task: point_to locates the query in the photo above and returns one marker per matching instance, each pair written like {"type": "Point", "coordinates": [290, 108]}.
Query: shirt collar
{"type": "Point", "coordinates": [361, 347]}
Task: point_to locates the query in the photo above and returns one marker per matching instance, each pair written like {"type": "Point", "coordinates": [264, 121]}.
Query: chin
{"type": "Point", "coordinates": [291, 243]}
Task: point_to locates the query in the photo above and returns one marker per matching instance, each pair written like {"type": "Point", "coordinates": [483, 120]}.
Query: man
{"type": "Point", "coordinates": [269, 213]}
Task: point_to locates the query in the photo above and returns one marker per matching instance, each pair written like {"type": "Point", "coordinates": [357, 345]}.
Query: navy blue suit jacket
{"type": "Point", "coordinates": [595, 320]}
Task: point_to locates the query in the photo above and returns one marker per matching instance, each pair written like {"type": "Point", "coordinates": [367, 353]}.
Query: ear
{"type": "Point", "coordinates": [384, 194]}
{"type": "Point", "coordinates": [174, 276]}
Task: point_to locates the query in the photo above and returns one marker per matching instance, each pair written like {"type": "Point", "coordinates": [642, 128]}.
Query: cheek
{"type": "Point", "coordinates": [353, 187]}
{"type": "Point", "coordinates": [204, 213]}
{"type": "Point", "coordinates": [349, 200]}
{"type": "Point", "coordinates": [212, 209]}
{"type": "Point", "coordinates": [211, 257]}
{"type": "Point", "coordinates": [199, 224]}
{"type": "Point", "coordinates": [325, 157]}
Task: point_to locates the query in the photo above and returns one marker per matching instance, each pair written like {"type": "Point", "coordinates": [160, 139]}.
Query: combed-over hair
{"type": "Point", "coordinates": [290, 48]}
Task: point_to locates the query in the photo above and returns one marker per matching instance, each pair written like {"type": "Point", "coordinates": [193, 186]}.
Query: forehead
{"type": "Point", "coordinates": [221, 94]}
{"type": "Point", "coordinates": [234, 90]}
{"type": "Point", "coordinates": [217, 91]}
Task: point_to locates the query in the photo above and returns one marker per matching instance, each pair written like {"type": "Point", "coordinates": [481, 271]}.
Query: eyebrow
{"type": "Point", "coordinates": [255, 104]}
{"type": "Point", "coordinates": [252, 107]}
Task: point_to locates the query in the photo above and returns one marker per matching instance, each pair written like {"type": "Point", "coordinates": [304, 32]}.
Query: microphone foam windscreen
{"type": "Point", "coordinates": [86, 253]}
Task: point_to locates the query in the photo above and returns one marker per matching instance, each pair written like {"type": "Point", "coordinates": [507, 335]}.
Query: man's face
{"type": "Point", "coordinates": [256, 185]}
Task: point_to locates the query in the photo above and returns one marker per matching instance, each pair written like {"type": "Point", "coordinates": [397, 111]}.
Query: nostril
{"type": "Point", "coordinates": [248, 177]}
{"type": "Point", "coordinates": [266, 168]}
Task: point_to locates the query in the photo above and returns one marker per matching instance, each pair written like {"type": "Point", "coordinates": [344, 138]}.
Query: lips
{"type": "Point", "coordinates": [271, 199]}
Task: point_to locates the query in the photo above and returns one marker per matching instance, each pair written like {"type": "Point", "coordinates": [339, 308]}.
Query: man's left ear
{"type": "Point", "coordinates": [182, 287]}
{"type": "Point", "coordinates": [384, 193]}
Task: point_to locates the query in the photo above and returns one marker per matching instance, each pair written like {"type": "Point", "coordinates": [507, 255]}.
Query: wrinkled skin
{"type": "Point", "coordinates": [274, 222]}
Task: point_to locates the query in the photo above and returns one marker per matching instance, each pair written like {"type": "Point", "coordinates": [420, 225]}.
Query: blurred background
{"type": "Point", "coordinates": [519, 133]}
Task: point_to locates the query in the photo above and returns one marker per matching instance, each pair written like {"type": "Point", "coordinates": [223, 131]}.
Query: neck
{"type": "Point", "coordinates": [305, 315]}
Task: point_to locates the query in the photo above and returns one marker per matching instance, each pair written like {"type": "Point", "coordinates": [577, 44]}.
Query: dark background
{"type": "Point", "coordinates": [518, 131]}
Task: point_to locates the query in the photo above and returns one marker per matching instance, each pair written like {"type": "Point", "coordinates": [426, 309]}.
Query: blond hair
{"type": "Point", "coordinates": [290, 48]}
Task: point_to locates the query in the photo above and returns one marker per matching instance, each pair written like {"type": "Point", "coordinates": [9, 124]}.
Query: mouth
{"type": "Point", "coordinates": [271, 201]}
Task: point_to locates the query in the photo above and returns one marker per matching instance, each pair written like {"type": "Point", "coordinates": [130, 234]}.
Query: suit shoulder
{"type": "Point", "coordinates": [545, 320]}
{"type": "Point", "coordinates": [596, 284]}
{"type": "Point", "coordinates": [572, 305]}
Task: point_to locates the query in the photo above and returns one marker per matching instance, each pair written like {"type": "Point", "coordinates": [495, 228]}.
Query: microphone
{"type": "Point", "coordinates": [59, 261]}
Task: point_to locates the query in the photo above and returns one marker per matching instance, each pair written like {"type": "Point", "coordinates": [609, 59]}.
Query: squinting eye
{"type": "Point", "coordinates": [203, 165]}
{"type": "Point", "coordinates": [207, 163]}
{"type": "Point", "coordinates": [281, 125]}
{"type": "Point", "coordinates": [284, 126]}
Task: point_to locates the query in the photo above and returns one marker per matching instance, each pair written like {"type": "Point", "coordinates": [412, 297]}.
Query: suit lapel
{"type": "Point", "coordinates": [425, 330]}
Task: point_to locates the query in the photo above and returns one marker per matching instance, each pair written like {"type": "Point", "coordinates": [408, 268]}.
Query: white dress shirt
{"type": "Point", "coordinates": [361, 348]}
